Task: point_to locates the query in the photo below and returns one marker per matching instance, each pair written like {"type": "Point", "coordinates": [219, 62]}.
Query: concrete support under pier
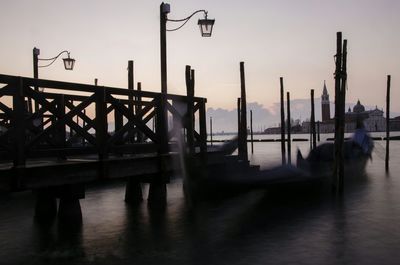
{"type": "Point", "coordinates": [69, 210]}
{"type": "Point", "coordinates": [46, 206]}
{"type": "Point", "coordinates": [133, 191]}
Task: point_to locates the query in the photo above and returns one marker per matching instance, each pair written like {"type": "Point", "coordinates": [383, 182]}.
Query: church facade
{"type": "Point", "coordinates": [373, 119]}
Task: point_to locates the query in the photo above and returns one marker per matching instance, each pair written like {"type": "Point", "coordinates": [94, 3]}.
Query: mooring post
{"type": "Point", "coordinates": [314, 138]}
{"type": "Point", "coordinates": [131, 97]}
{"type": "Point", "coordinates": [203, 130]}
{"type": "Point", "coordinates": [243, 116]}
{"type": "Point", "coordinates": [283, 151]}
{"type": "Point", "coordinates": [211, 132]}
{"type": "Point", "coordinates": [338, 167]}
{"type": "Point", "coordinates": [289, 128]}
{"type": "Point", "coordinates": [189, 76]}
{"type": "Point", "coordinates": [239, 128]}
{"type": "Point", "coordinates": [318, 132]}
{"type": "Point", "coordinates": [343, 86]}
{"type": "Point", "coordinates": [251, 131]}
{"type": "Point", "coordinates": [387, 123]}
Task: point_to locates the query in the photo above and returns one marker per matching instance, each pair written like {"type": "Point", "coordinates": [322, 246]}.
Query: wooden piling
{"type": "Point", "coordinates": [251, 131]}
{"type": "Point", "coordinates": [189, 76]}
{"type": "Point", "coordinates": [387, 123]}
{"type": "Point", "coordinates": [243, 114]}
{"type": "Point", "coordinates": [340, 84]}
{"type": "Point", "coordinates": [318, 132]}
{"type": "Point", "coordinates": [289, 127]}
{"type": "Point", "coordinates": [312, 123]}
{"type": "Point", "coordinates": [239, 127]}
{"type": "Point", "coordinates": [343, 86]}
{"type": "Point", "coordinates": [211, 132]}
{"type": "Point", "coordinates": [282, 124]}
{"type": "Point", "coordinates": [130, 97]}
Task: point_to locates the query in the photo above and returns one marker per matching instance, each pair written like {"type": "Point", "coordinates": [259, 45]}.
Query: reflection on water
{"type": "Point", "coordinates": [280, 227]}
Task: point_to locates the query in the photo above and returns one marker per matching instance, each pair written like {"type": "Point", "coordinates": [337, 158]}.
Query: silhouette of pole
{"type": "Point", "coordinates": [282, 124]}
{"type": "Point", "coordinates": [387, 123]}
{"type": "Point", "coordinates": [243, 116]}
{"type": "Point", "coordinates": [130, 96]}
{"type": "Point", "coordinates": [251, 131]}
{"type": "Point", "coordinates": [163, 47]}
{"type": "Point", "coordinates": [189, 76]}
{"type": "Point", "coordinates": [138, 109]}
{"type": "Point", "coordinates": [340, 88]}
{"type": "Point", "coordinates": [318, 132]}
{"type": "Point", "coordinates": [314, 138]}
{"type": "Point", "coordinates": [289, 127]}
{"type": "Point", "coordinates": [211, 131]}
{"type": "Point", "coordinates": [239, 128]}
{"type": "Point", "coordinates": [36, 53]}
{"type": "Point", "coordinates": [96, 81]}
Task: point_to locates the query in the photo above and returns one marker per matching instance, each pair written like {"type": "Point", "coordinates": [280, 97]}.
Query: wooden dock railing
{"type": "Point", "coordinates": [76, 119]}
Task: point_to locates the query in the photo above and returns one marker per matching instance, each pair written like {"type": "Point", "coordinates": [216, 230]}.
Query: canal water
{"type": "Point", "coordinates": [363, 227]}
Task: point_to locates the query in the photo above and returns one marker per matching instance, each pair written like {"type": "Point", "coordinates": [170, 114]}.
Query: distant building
{"type": "Point", "coordinates": [373, 119]}
{"type": "Point", "coordinates": [325, 105]}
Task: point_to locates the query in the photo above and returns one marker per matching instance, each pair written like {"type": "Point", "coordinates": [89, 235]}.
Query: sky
{"type": "Point", "coordinates": [275, 38]}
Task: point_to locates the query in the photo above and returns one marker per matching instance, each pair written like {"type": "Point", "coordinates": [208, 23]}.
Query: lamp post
{"type": "Point", "coordinates": [68, 65]}
{"type": "Point", "coordinates": [206, 26]}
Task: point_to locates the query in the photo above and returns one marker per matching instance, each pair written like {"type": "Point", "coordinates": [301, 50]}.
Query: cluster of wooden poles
{"type": "Point", "coordinates": [340, 76]}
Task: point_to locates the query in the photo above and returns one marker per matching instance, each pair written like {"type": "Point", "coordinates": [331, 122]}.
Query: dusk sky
{"type": "Point", "coordinates": [292, 39]}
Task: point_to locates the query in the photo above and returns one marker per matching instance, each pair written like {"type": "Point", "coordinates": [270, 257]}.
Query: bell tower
{"type": "Point", "coordinates": [325, 105]}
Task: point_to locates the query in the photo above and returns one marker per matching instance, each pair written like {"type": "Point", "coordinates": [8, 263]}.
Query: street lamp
{"type": "Point", "coordinates": [68, 65]}
{"type": "Point", "coordinates": [206, 26]}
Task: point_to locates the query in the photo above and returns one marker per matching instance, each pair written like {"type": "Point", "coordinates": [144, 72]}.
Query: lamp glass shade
{"type": "Point", "coordinates": [206, 27]}
{"type": "Point", "coordinates": [69, 63]}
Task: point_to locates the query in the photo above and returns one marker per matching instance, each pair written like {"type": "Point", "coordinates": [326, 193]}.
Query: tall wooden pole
{"type": "Point", "coordinates": [189, 75]}
{"type": "Point", "coordinates": [318, 131]}
{"type": "Point", "coordinates": [314, 138]}
{"type": "Point", "coordinates": [342, 115]}
{"type": "Point", "coordinates": [289, 127]}
{"type": "Point", "coordinates": [243, 115]}
{"type": "Point", "coordinates": [163, 47]}
{"type": "Point", "coordinates": [130, 96]}
{"type": "Point", "coordinates": [282, 124]}
{"type": "Point", "coordinates": [387, 123]}
{"type": "Point", "coordinates": [251, 131]}
{"type": "Point", "coordinates": [338, 169]}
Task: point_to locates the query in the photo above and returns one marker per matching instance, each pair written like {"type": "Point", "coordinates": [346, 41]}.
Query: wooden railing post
{"type": "Point", "coordinates": [101, 122]}
{"type": "Point", "coordinates": [61, 128]}
{"type": "Point", "coordinates": [118, 121]}
{"type": "Point", "coordinates": [203, 128]}
{"type": "Point", "coordinates": [138, 109]}
{"type": "Point", "coordinates": [18, 123]}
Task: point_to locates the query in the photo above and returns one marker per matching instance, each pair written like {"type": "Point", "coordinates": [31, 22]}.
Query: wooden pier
{"type": "Point", "coordinates": [80, 133]}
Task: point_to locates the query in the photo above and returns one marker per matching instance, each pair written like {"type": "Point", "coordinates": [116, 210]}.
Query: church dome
{"type": "Point", "coordinates": [358, 108]}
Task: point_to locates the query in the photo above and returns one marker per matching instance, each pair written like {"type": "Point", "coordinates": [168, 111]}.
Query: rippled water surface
{"type": "Point", "coordinates": [253, 228]}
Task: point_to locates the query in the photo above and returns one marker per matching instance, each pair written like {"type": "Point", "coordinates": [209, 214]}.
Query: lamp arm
{"type": "Point", "coordinates": [185, 20]}
{"type": "Point", "coordinates": [189, 17]}
{"type": "Point", "coordinates": [52, 59]}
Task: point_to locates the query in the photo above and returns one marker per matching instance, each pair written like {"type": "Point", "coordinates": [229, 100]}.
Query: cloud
{"type": "Point", "coordinates": [264, 117]}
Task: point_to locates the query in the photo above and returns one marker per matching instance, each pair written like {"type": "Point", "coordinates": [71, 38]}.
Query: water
{"type": "Point", "coordinates": [254, 228]}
